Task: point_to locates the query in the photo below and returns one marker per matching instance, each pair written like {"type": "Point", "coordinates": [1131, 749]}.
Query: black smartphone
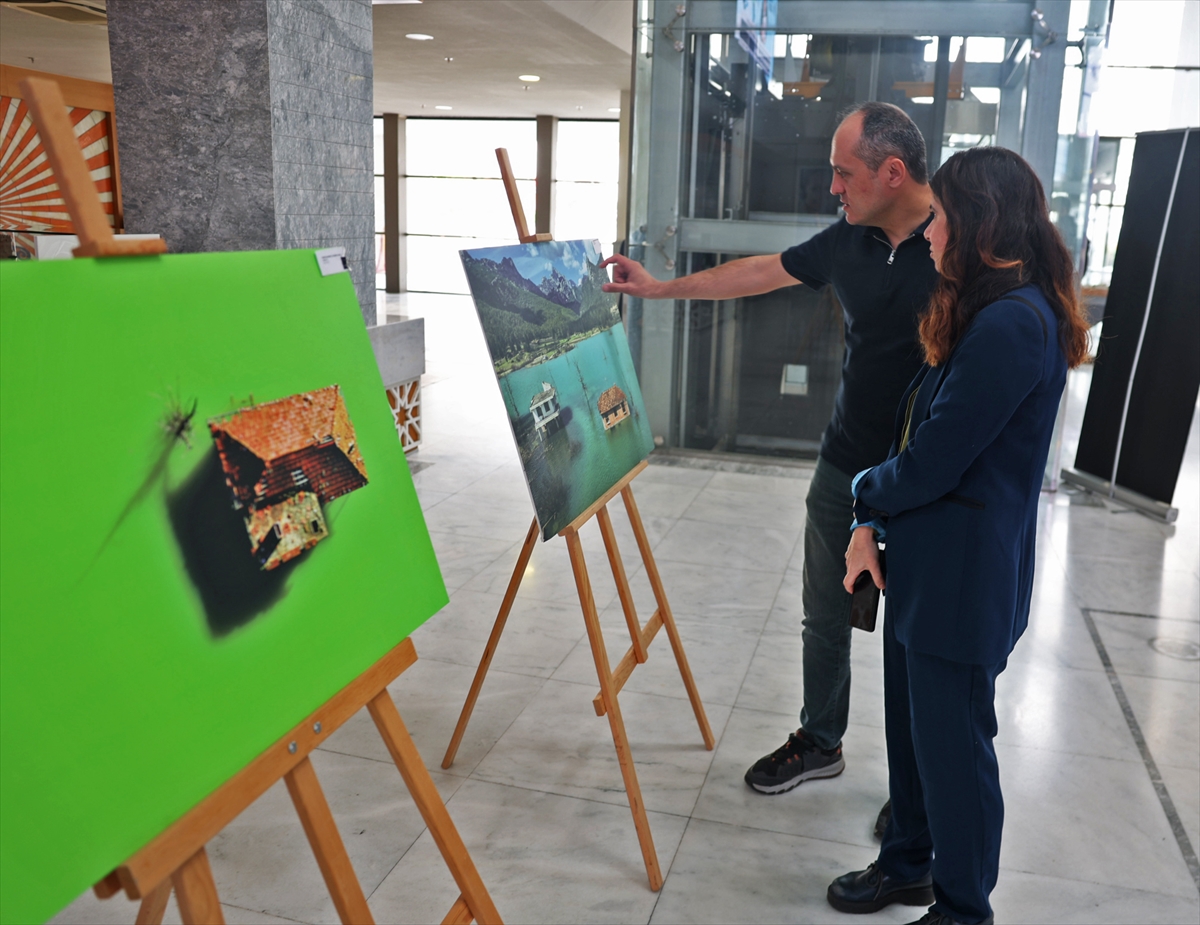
{"type": "Point", "coordinates": [864, 603]}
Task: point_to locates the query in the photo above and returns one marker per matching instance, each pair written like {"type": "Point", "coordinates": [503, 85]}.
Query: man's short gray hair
{"type": "Point", "coordinates": [888, 131]}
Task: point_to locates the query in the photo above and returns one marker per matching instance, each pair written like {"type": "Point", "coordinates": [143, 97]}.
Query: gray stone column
{"type": "Point", "coordinates": [247, 125]}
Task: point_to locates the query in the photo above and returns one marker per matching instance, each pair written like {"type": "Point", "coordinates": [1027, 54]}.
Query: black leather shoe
{"type": "Point", "coordinates": [937, 918]}
{"type": "Point", "coordinates": [871, 889]}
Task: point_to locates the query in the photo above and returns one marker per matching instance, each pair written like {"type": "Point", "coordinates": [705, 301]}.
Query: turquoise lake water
{"type": "Point", "coordinates": [570, 469]}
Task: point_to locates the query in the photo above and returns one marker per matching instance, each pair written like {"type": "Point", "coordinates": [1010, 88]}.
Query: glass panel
{"type": "Point", "coordinates": [467, 208]}
{"type": "Point", "coordinates": [434, 264]}
{"type": "Point", "coordinates": [379, 204]}
{"type": "Point", "coordinates": [378, 146]}
{"type": "Point", "coordinates": [586, 210]}
{"type": "Point", "coordinates": [588, 152]}
{"type": "Point", "coordinates": [466, 147]}
{"type": "Point", "coordinates": [380, 263]}
{"type": "Point", "coordinates": [760, 374]}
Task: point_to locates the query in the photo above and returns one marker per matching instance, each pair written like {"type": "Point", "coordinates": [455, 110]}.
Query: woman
{"type": "Point", "coordinates": [957, 499]}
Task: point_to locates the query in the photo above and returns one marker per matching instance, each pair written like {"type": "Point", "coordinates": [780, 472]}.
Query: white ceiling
{"type": "Point", "coordinates": [580, 49]}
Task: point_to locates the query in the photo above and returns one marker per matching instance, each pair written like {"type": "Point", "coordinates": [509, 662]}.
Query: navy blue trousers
{"type": "Point", "coordinates": [947, 811]}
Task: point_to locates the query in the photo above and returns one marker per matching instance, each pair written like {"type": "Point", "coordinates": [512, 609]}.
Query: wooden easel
{"type": "Point", "coordinates": [640, 636]}
{"type": "Point", "coordinates": [176, 858]}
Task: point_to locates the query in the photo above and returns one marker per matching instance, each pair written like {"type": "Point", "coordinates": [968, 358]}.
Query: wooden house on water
{"type": "Point", "coordinates": [614, 407]}
{"type": "Point", "coordinates": [545, 410]}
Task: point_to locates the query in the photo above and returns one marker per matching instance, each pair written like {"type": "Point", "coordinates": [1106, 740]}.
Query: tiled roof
{"type": "Point", "coordinates": [611, 399]}
{"type": "Point", "coordinates": [277, 428]}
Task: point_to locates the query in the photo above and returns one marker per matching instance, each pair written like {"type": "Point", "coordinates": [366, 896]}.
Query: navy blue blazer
{"type": "Point", "coordinates": [961, 501]}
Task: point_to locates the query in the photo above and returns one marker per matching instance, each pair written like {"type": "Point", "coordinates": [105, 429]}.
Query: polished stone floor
{"type": "Point", "coordinates": [1099, 738]}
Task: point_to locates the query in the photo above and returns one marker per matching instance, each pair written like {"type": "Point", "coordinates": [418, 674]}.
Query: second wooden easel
{"type": "Point", "coordinates": [611, 682]}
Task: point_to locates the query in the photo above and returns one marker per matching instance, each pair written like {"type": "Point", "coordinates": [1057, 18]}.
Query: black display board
{"type": "Point", "coordinates": [1151, 337]}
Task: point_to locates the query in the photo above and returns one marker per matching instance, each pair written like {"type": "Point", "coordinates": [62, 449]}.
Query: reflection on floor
{"type": "Point", "coordinates": [536, 790]}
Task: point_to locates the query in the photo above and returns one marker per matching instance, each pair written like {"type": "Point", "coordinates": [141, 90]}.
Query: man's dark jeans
{"type": "Point", "coordinates": [826, 633]}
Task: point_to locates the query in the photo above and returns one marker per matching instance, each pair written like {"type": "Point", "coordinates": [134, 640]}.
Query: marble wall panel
{"type": "Point", "coordinates": [249, 125]}
{"type": "Point", "coordinates": [322, 114]}
{"type": "Point", "coordinates": [193, 112]}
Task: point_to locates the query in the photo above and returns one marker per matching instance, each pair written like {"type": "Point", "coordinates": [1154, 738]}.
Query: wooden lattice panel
{"type": "Point", "coordinates": [29, 197]}
{"type": "Point", "coordinates": [405, 402]}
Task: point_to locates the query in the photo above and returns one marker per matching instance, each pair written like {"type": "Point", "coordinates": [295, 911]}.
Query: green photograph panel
{"type": "Point", "coordinates": [207, 529]}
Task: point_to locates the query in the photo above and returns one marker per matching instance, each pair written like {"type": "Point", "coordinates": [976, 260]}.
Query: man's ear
{"type": "Point", "coordinates": [895, 172]}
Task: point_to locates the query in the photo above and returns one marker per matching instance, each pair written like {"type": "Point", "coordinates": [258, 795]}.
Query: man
{"type": "Point", "coordinates": [878, 263]}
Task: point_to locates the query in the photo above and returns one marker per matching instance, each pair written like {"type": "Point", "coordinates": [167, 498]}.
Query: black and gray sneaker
{"type": "Point", "coordinates": [797, 760]}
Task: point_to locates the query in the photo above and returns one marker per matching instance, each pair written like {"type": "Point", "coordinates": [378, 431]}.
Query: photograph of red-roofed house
{"type": "Point", "coordinates": [283, 460]}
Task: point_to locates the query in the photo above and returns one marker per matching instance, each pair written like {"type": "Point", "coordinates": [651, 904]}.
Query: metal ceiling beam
{"type": "Point", "coordinates": [876, 17]}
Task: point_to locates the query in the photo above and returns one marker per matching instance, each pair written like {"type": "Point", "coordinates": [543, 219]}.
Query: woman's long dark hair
{"type": "Point", "coordinates": [999, 238]}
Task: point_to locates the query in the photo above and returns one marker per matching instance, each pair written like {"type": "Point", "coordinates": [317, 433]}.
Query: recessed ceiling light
{"type": "Point", "coordinates": [444, 108]}
{"type": "Point", "coordinates": [419, 37]}
{"type": "Point", "coordinates": [382, 2]}
{"type": "Point", "coordinates": [529, 78]}
{"type": "Point", "coordinates": [615, 109]}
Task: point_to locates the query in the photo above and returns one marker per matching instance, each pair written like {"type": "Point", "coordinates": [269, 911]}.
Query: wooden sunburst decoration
{"type": "Point", "coordinates": [29, 196]}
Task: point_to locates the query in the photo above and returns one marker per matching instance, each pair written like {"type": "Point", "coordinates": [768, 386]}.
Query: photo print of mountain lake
{"type": "Point", "coordinates": [564, 369]}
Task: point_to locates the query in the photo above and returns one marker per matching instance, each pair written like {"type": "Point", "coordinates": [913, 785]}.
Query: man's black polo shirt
{"type": "Point", "coordinates": [883, 293]}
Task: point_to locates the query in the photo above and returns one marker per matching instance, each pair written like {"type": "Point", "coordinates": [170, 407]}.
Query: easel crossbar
{"type": "Point", "coordinates": [630, 660]}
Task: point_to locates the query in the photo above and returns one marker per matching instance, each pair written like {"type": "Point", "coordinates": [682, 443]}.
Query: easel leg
{"type": "Point", "coordinates": [632, 789]}
{"type": "Point", "coordinates": [664, 608]}
{"type": "Point", "coordinates": [433, 810]}
{"type": "Point", "coordinates": [196, 892]}
{"type": "Point", "coordinates": [493, 641]}
{"type": "Point", "coordinates": [327, 844]}
{"type": "Point", "coordinates": [154, 904]}
{"type": "Point", "coordinates": [623, 590]}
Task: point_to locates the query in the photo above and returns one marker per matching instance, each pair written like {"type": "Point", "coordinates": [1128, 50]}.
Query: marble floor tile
{"type": "Point", "coordinates": [764, 549]}
{"type": "Point", "coordinates": [787, 611]}
{"type": "Point", "coordinates": [730, 596]}
{"type": "Point", "coordinates": [1066, 710]}
{"type": "Point", "coordinates": [461, 558]}
{"type": "Point", "coordinates": [543, 858]}
{"type": "Point", "coordinates": [537, 636]}
{"type": "Point", "coordinates": [1183, 785]}
{"type": "Point", "coordinates": [559, 745]}
{"type": "Point", "coordinates": [1089, 818]}
{"type": "Point", "coordinates": [747, 508]}
{"type": "Point", "coordinates": [840, 809]}
{"type": "Point", "coordinates": [660, 471]}
{"type": "Point", "coordinates": [1022, 898]}
{"type": "Point", "coordinates": [549, 576]}
{"type": "Point", "coordinates": [729, 873]}
{"type": "Point", "coordinates": [431, 719]}
{"type": "Point", "coordinates": [496, 520]}
{"type": "Point", "coordinates": [775, 680]}
{"type": "Point", "coordinates": [1134, 587]}
{"type": "Point", "coordinates": [1128, 643]}
{"type": "Point", "coordinates": [789, 488]}
{"type": "Point", "coordinates": [718, 657]}
{"type": "Point", "coordinates": [655, 497]}
{"type": "Point", "coordinates": [1098, 532]}
{"type": "Point", "coordinates": [1168, 712]}
{"type": "Point", "coordinates": [448, 474]}
{"type": "Point", "coordinates": [429, 498]}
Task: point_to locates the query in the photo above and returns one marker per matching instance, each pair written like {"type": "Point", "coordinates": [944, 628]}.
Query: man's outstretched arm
{"type": "Point", "coordinates": [747, 276]}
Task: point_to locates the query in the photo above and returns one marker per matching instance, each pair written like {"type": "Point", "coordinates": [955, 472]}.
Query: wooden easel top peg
{"type": "Point", "coordinates": [514, 201]}
{"type": "Point", "coordinates": [96, 239]}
